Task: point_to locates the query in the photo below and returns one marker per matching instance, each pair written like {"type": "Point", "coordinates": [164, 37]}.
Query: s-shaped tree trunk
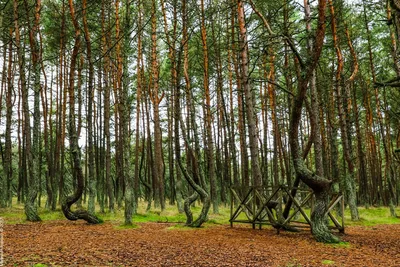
{"type": "Point", "coordinates": [67, 203]}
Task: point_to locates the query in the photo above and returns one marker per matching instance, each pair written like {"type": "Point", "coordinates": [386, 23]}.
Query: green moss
{"type": "Point", "coordinates": [40, 265]}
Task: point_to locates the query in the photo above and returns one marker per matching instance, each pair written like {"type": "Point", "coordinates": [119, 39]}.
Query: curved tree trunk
{"type": "Point", "coordinates": [320, 185]}
{"type": "Point", "coordinates": [75, 150]}
{"type": "Point", "coordinates": [319, 227]}
{"type": "Point", "coordinates": [92, 179]}
{"type": "Point", "coordinates": [186, 206]}
{"type": "Point", "coordinates": [205, 198]}
{"type": "Point", "coordinates": [193, 182]}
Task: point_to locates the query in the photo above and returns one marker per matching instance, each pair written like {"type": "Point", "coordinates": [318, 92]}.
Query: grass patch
{"type": "Point", "coordinates": [340, 245]}
{"type": "Point", "coordinates": [368, 217]}
{"type": "Point", "coordinates": [49, 215]}
{"type": "Point", "coordinates": [372, 216]}
{"type": "Point", "coordinates": [214, 221]}
{"type": "Point", "coordinates": [328, 262]}
{"type": "Point", "coordinates": [116, 215]}
{"type": "Point", "coordinates": [161, 217]}
{"type": "Point", "coordinates": [222, 217]}
{"type": "Point", "coordinates": [12, 217]}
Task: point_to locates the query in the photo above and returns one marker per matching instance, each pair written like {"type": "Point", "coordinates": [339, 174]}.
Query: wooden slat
{"type": "Point", "coordinates": [335, 221]}
{"type": "Point", "coordinates": [264, 205]}
{"type": "Point", "coordinates": [333, 203]}
{"type": "Point", "coordinates": [244, 204]}
{"type": "Point", "coordinates": [298, 205]}
{"type": "Point", "coordinates": [305, 200]}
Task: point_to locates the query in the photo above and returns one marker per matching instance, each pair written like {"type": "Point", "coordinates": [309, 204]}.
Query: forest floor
{"type": "Point", "coordinates": [65, 243]}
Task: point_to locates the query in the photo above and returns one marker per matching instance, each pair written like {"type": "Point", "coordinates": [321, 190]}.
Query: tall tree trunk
{"type": "Point", "coordinates": [348, 179]}
{"type": "Point", "coordinates": [6, 199]}
{"type": "Point", "coordinates": [314, 110]}
{"type": "Point", "coordinates": [138, 102]}
{"type": "Point", "coordinates": [264, 103]}
{"type": "Point", "coordinates": [89, 115]}
{"type": "Point", "coordinates": [209, 118]}
{"type": "Point", "coordinates": [223, 159]}
{"type": "Point", "coordinates": [30, 205]}
{"type": "Point", "coordinates": [46, 128]}
{"type": "Point", "coordinates": [275, 129]}
{"type": "Point", "coordinates": [156, 100]}
{"type": "Point", "coordinates": [249, 97]}
{"type": "Point", "coordinates": [115, 70]}
{"type": "Point", "coordinates": [171, 42]}
{"type": "Point", "coordinates": [107, 116]}
{"type": "Point", "coordinates": [177, 107]}
{"type": "Point", "coordinates": [375, 172]}
{"type": "Point", "coordinates": [230, 120]}
{"type": "Point", "coordinates": [63, 85]}
{"type": "Point", "coordinates": [130, 204]}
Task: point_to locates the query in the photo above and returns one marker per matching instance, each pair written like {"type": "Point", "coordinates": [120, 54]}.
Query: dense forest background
{"type": "Point", "coordinates": [173, 101]}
